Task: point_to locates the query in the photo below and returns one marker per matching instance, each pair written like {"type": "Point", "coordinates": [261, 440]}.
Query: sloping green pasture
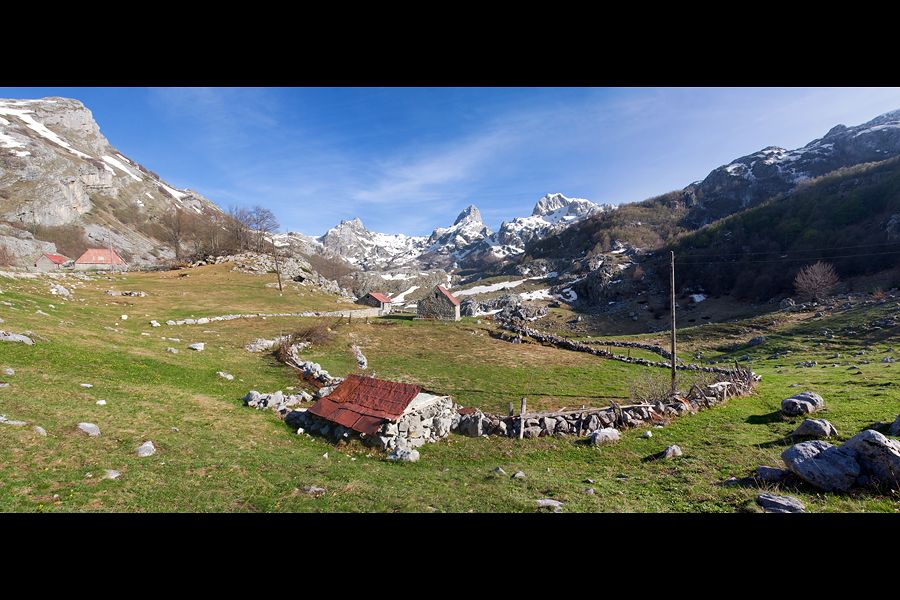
{"type": "Point", "coordinates": [216, 455]}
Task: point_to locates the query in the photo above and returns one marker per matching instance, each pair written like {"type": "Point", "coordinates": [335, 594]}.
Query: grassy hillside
{"type": "Point", "coordinates": [755, 255]}
{"type": "Point", "coordinates": [216, 455]}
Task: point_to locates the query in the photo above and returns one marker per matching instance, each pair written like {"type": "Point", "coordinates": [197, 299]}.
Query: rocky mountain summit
{"type": "Point", "coordinates": [467, 242]}
{"type": "Point", "coordinates": [57, 169]}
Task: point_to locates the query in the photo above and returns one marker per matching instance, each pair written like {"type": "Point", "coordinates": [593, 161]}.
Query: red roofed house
{"type": "Point", "coordinates": [385, 410]}
{"type": "Point", "coordinates": [376, 300]}
{"type": "Point", "coordinates": [49, 262]}
{"type": "Point", "coordinates": [438, 304]}
{"type": "Point", "coordinates": [98, 259]}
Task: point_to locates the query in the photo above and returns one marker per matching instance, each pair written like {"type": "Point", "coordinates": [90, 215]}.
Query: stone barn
{"type": "Point", "coordinates": [438, 304]}
{"type": "Point", "coordinates": [376, 300]}
{"type": "Point", "coordinates": [382, 413]}
{"type": "Point", "coordinates": [98, 259]}
{"type": "Point", "coordinates": [50, 262]}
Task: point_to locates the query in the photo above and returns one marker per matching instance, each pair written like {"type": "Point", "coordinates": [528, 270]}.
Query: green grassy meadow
{"type": "Point", "coordinates": [216, 455]}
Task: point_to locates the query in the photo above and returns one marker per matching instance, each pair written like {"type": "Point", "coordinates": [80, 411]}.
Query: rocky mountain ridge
{"type": "Point", "coordinates": [467, 242]}
{"type": "Point", "coordinates": [749, 180]}
{"type": "Point", "coordinates": [57, 169]}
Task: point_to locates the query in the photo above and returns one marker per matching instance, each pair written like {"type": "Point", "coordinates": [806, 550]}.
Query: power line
{"type": "Point", "coordinates": [785, 255]}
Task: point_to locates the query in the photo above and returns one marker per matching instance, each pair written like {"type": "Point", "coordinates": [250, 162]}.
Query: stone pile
{"type": "Point", "coordinates": [115, 293]}
{"type": "Point", "coordinates": [277, 401]}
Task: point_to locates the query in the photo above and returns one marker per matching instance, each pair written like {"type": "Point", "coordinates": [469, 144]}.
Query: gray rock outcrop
{"type": "Point", "coordinates": [822, 465]}
{"type": "Point", "coordinates": [802, 403]}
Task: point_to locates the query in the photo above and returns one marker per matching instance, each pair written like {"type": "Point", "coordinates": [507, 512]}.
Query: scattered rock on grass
{"type": "Point", "coordinates": [802, 403]}
{"type": "Point", "coordinates": [779, 504]}
{"type": "Point", "coordinates": [819, 428]}
{"type": "Point", "coordinates": [403, 454]}
{"type": "Point", "coordinates": [607, 434]}
{"type": "Point", "coordinates": [5, 336]}
{"type": "Point", "coordinates": [771, 474]}
{"type": "Point", "coordinates": [671, 452]}
{"type": "Point", "coordinates": [146, 449]}
{"type": "Point", "coordinates": [89, 428]}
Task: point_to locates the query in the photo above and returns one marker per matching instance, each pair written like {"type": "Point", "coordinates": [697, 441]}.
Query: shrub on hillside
{"type": "Point", "coordinates": [7, 258]}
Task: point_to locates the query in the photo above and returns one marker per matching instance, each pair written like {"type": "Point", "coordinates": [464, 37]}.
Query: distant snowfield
{"type": "Point", "coordinates": [402, 295]}
{"type": "Point", "coordinates": [494, 287]}
{"type": "Point", "coordinates": [543, 294]}
{"type": "Point", "coordinates": [698, 298]}
{"type": "Point", "coordinates": [485, 289]}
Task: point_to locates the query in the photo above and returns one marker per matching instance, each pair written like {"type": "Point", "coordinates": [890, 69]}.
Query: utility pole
{"type": "Point", "coordinates": [277, 268]}
{"type": "Point", "coordinates": [672, 282]}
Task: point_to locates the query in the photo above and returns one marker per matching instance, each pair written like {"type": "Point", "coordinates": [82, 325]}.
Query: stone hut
{"type": "Point", "coordinates": [50, 262]}
{"type": "Point", "coordinates": [383, 413]}
{"type": "Point", "coordinates": [438, 304]}
{"type": "Point", "coordinates": [99, 259]}
{"type": "Point", "coordinates": [376, 300]}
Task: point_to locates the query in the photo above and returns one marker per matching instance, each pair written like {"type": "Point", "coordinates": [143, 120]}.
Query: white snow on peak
{"type": "Point", "coordinates": [117, 164]}
{"type": "Point", "coordinates": [39, 128]}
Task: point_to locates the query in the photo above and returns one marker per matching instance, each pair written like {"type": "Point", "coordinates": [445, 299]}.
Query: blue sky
{"type": "Point", "coordinates": [408, 160]}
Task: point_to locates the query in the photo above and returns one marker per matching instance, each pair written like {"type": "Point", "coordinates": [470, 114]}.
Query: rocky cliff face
{"type": "Point", "coordinates": [56, 168]}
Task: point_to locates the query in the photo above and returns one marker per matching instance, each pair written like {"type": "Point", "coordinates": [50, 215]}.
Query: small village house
{"type": "Point", "coordinates": [438, 304]}
{"type": "Point", "coordinates": [50, 262]}
{"type": "Point", "coordinates": [376, 300]}
{"type": "Point", "coordinates": [100, 259]}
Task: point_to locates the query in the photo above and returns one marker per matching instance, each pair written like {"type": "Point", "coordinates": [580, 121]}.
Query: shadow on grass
{"type": "Point", "coordinates": [772, 417]}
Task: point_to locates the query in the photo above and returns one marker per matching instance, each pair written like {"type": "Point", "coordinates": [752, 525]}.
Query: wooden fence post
{"type": "Point", "coordinates": [522, 421]}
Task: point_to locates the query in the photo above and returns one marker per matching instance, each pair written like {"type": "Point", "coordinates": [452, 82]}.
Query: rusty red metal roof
{"type": "Point", "coordinates": [365, 403]}
{"type": "Point", "coordinates": [56, 258]}
{"type": "Point", "coordinates": [380, 297]}
{"type": "Point", "coordinates": [449, 295]}
{"type": "Point", "coordinates": [99, 256]}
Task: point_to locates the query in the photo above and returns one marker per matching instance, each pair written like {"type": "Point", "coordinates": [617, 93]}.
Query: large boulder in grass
{"type": "Point", "coordinates": [819, 428]}
{"type": "Point", "coordinates": [878, 457]}
{"type": "Point", "coordinates": [822, 465]}
{"type": "Point", "coordinates": [802, 403]}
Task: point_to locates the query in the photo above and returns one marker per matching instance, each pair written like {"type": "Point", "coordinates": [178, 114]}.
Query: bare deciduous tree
{"type": "Point", "coordinates": [816, 280]}
{"type": "Point", "coordinates": [264, 224]}
{"type": "Point", "coordinates": [178, 228]}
